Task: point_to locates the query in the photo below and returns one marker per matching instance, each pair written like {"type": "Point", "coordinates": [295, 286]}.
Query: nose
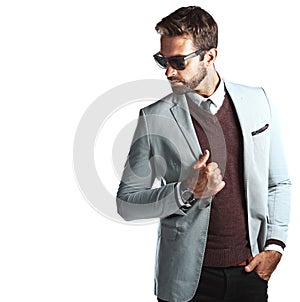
{"type": "Point", "coordinates": [170, 71]}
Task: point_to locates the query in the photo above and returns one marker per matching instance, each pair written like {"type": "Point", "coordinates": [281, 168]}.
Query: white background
{"type": "Point", "coordinates": [57, 57]}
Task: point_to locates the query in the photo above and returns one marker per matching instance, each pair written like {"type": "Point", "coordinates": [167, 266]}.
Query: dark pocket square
{"type": "Point", "coordinates": [265, 127]}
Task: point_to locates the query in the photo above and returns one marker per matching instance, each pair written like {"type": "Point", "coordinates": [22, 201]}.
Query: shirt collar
{"type": "Point", "coordinates": [217, 97]}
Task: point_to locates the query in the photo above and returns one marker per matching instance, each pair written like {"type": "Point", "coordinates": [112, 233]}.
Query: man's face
{"type": "Point", "coordinates": [195, 70]}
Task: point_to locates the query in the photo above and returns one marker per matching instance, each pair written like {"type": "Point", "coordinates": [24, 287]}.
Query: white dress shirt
{"type": "Point", "coordinates": [217, 98]}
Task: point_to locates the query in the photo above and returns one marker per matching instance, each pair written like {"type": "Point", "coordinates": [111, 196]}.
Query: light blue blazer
{"type": "Point", "coordinates": [163, 149]}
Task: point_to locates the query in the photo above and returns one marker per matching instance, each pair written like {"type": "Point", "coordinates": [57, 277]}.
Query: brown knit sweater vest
{"type": "Point", "coordinates": [227, 242]}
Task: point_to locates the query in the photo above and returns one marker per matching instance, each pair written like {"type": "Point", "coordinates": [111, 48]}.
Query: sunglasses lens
{"type": "Point", "coordinates": [177, 63]}
{"type": "Point", "coordinates": [161, 61]}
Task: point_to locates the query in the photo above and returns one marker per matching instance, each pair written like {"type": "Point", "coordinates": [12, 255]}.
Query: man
{"type": "Point", "coordinates": [215, 149]}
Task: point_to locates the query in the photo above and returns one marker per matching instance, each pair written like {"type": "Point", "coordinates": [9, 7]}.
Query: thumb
{"type": "Point", "coordinates": [202, 161]}
{"type": "Point", "coordinates": [252, 265]}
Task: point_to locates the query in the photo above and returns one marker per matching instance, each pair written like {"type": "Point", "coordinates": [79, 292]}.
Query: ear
{"type": "Point", "coordinates": [211, 56]}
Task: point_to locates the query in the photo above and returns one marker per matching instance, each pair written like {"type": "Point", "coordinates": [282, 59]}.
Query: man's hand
{"type": "Point", "coordinates": [264, 264]}
{"type": "Point", "coordinates": [205, 179]}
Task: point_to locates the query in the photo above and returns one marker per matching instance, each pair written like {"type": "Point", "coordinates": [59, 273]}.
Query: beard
{"type": "Point", "coordinates": [181, 86]}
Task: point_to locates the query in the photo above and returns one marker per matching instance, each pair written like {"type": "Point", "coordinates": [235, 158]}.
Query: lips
{"type": "Point", "coordinates": [176, 83]}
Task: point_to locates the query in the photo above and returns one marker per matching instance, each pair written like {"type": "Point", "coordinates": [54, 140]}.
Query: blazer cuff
{"type": "Point", "coordinates": [179, 200]}
{"type": "Point", "coordinates": [275, 241]}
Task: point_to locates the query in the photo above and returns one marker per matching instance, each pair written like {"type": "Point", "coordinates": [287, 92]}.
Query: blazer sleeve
{"type": "Point", "coordinates": [279, 184]}
{"type": "Point", "coordinates": [137, 198]}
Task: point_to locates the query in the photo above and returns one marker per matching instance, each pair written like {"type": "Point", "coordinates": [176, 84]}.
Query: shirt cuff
{"type": "Point", "coordinates": [274, 247]}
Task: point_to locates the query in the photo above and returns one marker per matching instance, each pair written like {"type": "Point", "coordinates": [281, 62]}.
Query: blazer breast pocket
{"type": "Point", "coordinates": [261, 144]}
{"type": "Point", "coordinates": [260, 130]}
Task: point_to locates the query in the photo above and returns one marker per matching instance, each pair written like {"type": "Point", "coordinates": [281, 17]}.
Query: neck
{"type": "Point", "coordinates": [209, 84]}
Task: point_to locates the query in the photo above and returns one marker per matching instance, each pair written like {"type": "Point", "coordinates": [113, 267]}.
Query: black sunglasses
{"type": "Point", "coordinates": [177, 62]}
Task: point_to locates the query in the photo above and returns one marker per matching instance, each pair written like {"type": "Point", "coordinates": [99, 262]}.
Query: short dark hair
{"type": "Point", "coordinates": [191, 21]}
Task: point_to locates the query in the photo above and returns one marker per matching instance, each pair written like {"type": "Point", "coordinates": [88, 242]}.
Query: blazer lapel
{"type": "Point", "coordinates": [244, 116]}
{"type": "Point", "coordinates": [181, 114]}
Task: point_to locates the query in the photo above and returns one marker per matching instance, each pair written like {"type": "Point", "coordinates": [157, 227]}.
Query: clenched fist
{"type": "Point", "coordinates": [205, 179]}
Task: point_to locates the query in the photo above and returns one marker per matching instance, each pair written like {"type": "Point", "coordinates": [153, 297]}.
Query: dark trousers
{"type": "Point", "coordinates": [230, 285]}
